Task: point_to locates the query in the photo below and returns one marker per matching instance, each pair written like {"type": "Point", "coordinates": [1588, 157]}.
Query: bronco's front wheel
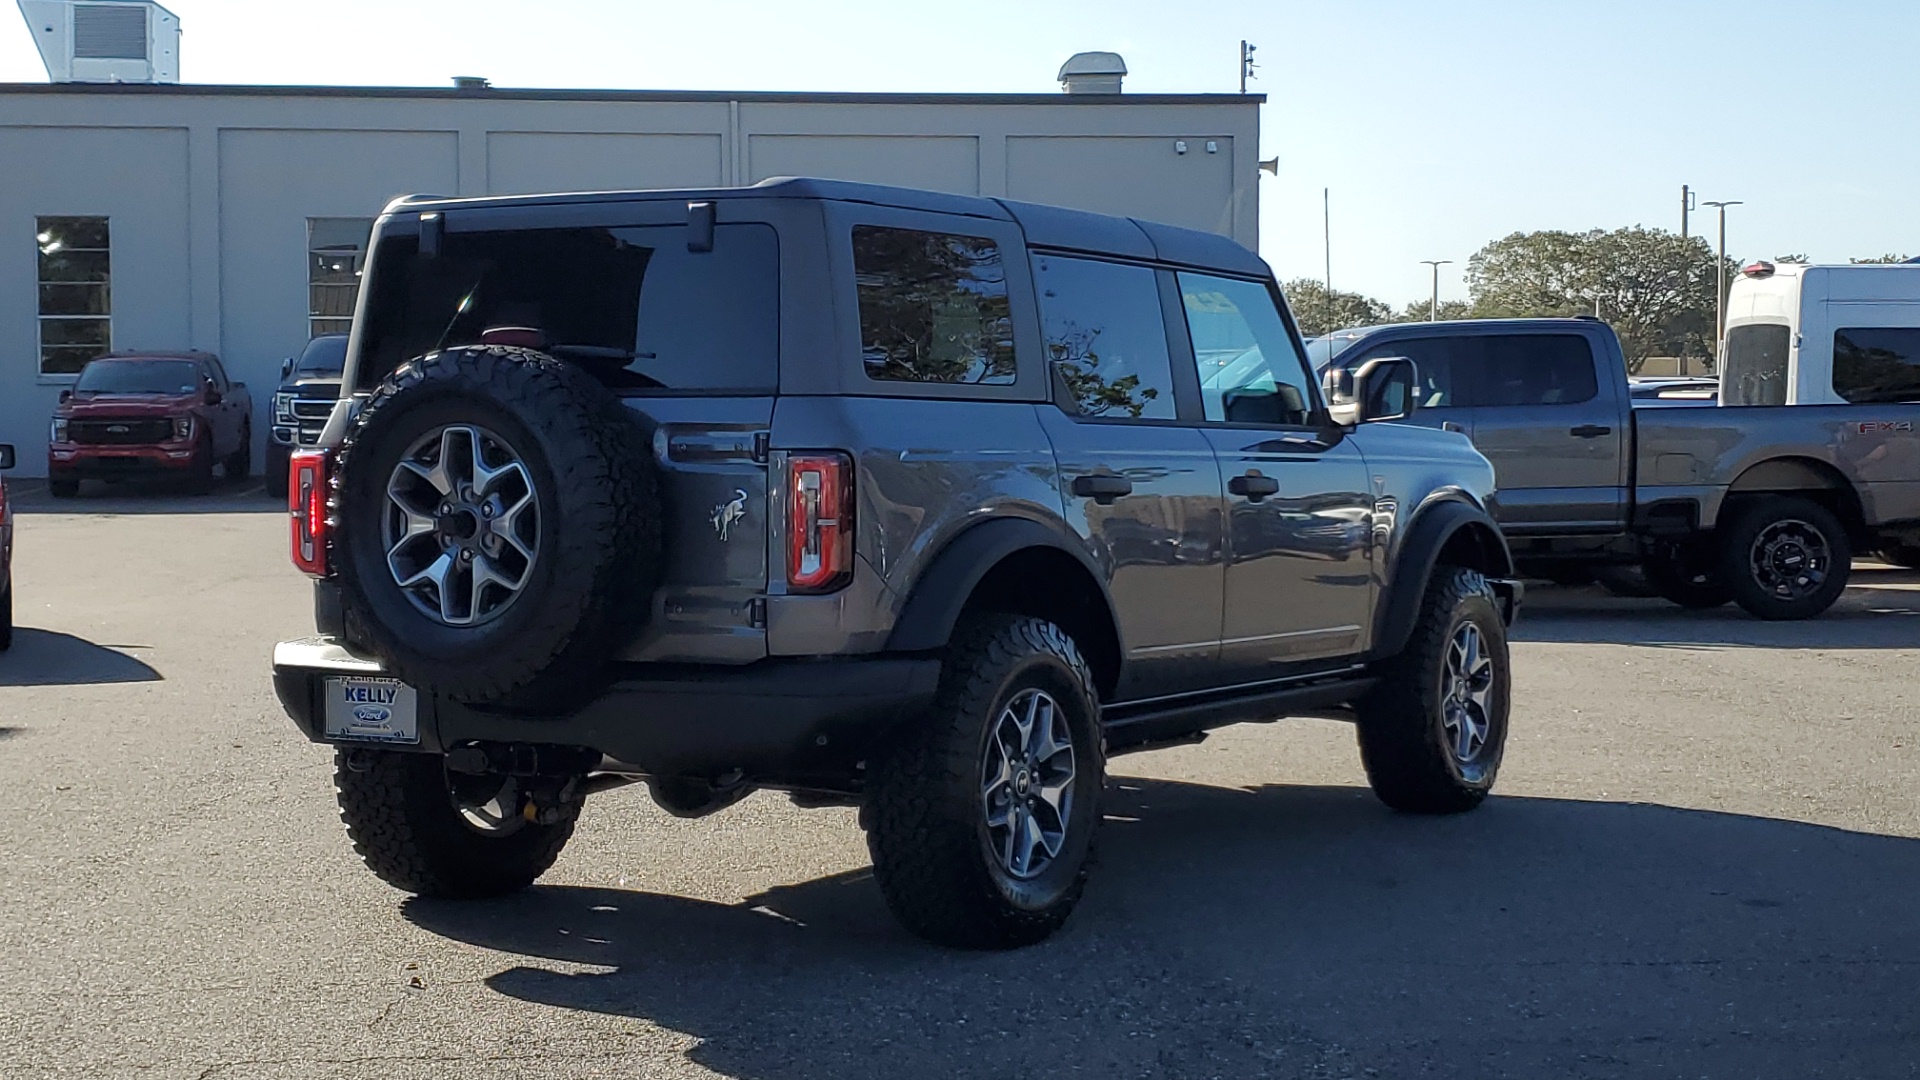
{"type": "Point", "coordinates": [432, 832]}
{"type": "Point", "coordinates": [981, 820]}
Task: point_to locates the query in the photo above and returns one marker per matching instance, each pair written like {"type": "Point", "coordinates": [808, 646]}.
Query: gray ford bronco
{"type": "Point", "coordinates": [914, 502]}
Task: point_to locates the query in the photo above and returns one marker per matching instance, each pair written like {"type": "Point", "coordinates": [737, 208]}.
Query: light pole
{"type": "Point", "coordinates": [1720, 281]}
{"type": "Point", "coordinates": [1433, 314]}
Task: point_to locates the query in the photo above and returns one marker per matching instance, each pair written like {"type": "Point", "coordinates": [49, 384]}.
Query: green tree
{"type": "Point", "coordinates": [1318, 313]}
{"type": "Point", "coordinates": [1654, 287]}
{"type": "Point", "coordinates": [1422, 310]}
{"type": "Point", "coordinates": [1880, 259]}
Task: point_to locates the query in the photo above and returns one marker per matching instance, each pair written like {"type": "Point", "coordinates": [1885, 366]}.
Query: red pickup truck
{"type": "Point", "coordinates": [150, 414]}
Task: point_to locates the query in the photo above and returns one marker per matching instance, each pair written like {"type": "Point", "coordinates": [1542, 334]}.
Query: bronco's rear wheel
{"type": "Point", "coordinates": [981, 819]}
{"type": "Point", "coordinates": [500, 531]}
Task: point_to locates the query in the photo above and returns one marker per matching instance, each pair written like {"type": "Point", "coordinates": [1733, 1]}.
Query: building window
{"type": "Point", "coordinates": [76, 299]}
{"type": "Point", "coordinates": [336, 253]}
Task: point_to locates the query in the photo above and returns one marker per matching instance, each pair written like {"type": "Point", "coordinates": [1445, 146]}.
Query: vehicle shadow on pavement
{"type": "Point", "coordinates": [1291, 931]}
{"type": "Point", "coordinates": [228, 497]}
{"type": "Point", "coordinates": [1881, 610]}
{"type": "Point", "coordinates": [47, 658]}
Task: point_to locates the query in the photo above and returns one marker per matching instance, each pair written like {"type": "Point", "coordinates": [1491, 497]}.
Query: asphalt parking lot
{"type": "Point", "coordinates": [1702, 861]}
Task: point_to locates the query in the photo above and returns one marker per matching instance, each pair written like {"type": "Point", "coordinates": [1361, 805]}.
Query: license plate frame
{"type": "Point", "coordinates": [363, 708]}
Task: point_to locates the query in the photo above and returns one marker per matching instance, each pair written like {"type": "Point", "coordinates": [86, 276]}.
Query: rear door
{"type": "Point", "coordinates": [1553, 428]}
{"type": "Point", "coordinates": [1136, 474]}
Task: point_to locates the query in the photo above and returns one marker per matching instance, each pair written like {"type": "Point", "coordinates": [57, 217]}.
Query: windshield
{"type": "Point", "coordinates": [326, 357]}
{"type": "Point", "coordinates": [139, 377]}
{"type": "Point", "coordinates": [1322, 350]}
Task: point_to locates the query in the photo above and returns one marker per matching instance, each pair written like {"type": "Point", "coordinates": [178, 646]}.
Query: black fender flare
{"type": "Point", "coordinates": [937, 598]}
{"type": "Point", "coordinates": [1434, 527]}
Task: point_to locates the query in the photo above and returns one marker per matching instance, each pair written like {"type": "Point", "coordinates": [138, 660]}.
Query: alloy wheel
{"type": "Point", "coordinates": [462, 525]}
{"type": "Point", "coordinates": [1467, 689]}
{"type": "Point", "coordinates": [1790, 559]}
{"type": "Point", "coordinates": [1027, 788]}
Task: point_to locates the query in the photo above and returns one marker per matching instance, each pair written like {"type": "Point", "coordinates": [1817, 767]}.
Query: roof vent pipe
{"type": "Point", "coordinates": [1092, 73]}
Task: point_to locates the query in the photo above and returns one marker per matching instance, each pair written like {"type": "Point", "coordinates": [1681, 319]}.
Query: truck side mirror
{"type": "Point", "coordinates": [66, 396]}
{"type": "Point", "coordinates": [213, 394]}
{"type": "Point", "coordinates": [1384, 388]}
{"type": "Point", "coordinates": [6, 456]}
{"type": "Point", "coordinates": [286, 368]}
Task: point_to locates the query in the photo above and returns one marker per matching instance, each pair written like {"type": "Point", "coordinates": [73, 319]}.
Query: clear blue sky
{"type": "Point", "coordinates": [1438, 126]}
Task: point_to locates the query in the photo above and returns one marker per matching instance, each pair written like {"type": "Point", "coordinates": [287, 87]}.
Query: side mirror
{"type": "Point", "coordinates": [213, 396]}
{"type": "Point", "coordinates": [66, 396]}
{"type": "Point", "coordinates": [1384, 388]}
{"type": "Point", "coordinates": [286, 367]}
{"type": "Point", "coordinates": [6, 456]}
{"type": "Point", "coordinates": [1281, 406]}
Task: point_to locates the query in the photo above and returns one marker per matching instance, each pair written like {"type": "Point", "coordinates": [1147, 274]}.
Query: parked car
{"type": "Point", "coordinates": [880, 497]}
{"type": "Point", "coordinates": [309, 385]}
{"type": "Point", "coordinates": [166, 415]}
{"type": "Point", "coordinates": [1760, 505]}
{"type": "Point", "coordinates": [6, 553]}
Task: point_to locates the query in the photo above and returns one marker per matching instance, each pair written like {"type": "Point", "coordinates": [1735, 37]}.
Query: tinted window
{"type": "Point", "coordinates": [1432, 357]}
{"type": "Point", "coordinates": [139, 377]}
{"type": "Point", "coordinates": [1874, 364]}
{"type": "Point", "coordinates": [1754, 371]}
{"type": "Point", "coordinates": [324, 357]}
{"type": "Point", "coordinates": [933, 307]}
{"type": "Point", "coordinates": [1250, 369]}
{"type": "Point", "coordinates": [631, 304]}
{"type": "Point", "coordinates": [1529, 369]}
{"type": "Point", "coordinates": [1105, 337]}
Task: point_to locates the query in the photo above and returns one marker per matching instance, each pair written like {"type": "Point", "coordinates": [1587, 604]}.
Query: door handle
{"type": "Point", "coordinates": [1590, 431]}
{"type": "Point", "coordinates": [1253, 486]}
{"type": "Point", "coordinates": [1102, 488]}
{"type": "Point", "coordinates": [1450, 425]}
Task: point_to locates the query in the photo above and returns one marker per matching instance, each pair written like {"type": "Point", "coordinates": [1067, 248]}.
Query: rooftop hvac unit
{"type": "Point", "coordinates": [128, 41]}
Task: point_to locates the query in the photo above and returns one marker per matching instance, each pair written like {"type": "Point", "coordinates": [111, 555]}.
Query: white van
{"type": "Point", "coordinates": [1822, 335]}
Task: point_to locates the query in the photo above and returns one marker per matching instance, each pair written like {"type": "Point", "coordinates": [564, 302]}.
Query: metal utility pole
{"type": "Point", "coordinates": [1433, 314]}
{"type": "Point", "coordinates": [1720, 279]}
{"type": "Point", "coordinates": [1686, 207]}
{"type": "Point", "coordinates": [1326, 200]}
{"type": "Point", "coordinates": [1246, 65]}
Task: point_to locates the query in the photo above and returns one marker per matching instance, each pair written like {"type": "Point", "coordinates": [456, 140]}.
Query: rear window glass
{"type": "Point", "coordinates": [933, 307]}
{"type": "Point", "coordinates": [139, 377]}
{"type": "Point", "coordinates": [632, 304]}
{"type": "Point", "coordinates": [1754, 371]}
{"type": "Point", "coordinates": [1106, 337]}
{"type": "Point", "coordinates": [1877, 364]}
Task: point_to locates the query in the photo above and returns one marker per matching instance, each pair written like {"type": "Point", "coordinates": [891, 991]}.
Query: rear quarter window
{"type": "Point", "coordinates": [631, 304]}
{"type": "Point", "coordinates": [1877, 364]}
{"type": "Point", "coordinates": [933, 307]}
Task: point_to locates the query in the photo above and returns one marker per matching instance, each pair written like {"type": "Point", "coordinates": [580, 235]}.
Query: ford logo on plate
{"type": "Point", "coordinates": [371, 714]}
{"type": "Point", "coordinates": [118, 429]}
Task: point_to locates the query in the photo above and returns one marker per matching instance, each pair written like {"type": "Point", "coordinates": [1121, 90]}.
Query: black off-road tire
{"type": "Point", "coordinates": [1907, 555]}
{"type": "Point", "coordinates": [199, 479]}
{"type": "Point", "coordinates": [1737, 552]}
{"type": "Point", "coordinates": [1687, 573]}
{"type": "Point", "coordinates": [274, 470]}
{"type": "Point", "coordinates": [400, 815]}
{"type": "Point", "coordinates": [925, 813]}
{"type": "Point", "coordinates": [1628, 582]}
{"type": "Point", "coordinates": [63, 489]}
{"type": "Point", "coordinates": [600, 521]}
{"type": "Point", "coordinates": [239, 464]}
{"type": "Point", "coordinates": [1402, 734]}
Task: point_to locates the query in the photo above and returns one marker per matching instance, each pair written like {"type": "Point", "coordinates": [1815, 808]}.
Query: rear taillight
{"type": "Point", "coordinates": [307, 507]}
{"type": "Point", "coordinates": [819, 522]}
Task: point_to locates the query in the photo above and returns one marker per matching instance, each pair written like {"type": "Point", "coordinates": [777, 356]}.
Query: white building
{"type": "Point", "coordinates": [232, 218]}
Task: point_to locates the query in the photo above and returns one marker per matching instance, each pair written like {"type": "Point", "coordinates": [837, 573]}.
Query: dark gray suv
{"type": "Point", "coordinates": [916, 502]}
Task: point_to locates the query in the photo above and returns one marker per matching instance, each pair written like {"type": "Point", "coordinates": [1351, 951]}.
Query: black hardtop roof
{"type": "Point", "coordinates": [1044, 226]}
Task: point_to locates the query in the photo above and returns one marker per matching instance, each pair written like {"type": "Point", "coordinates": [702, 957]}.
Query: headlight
{"type": "Point", "coordinates": [59, 433]}
{"type": "Point", "coordinates": [183, 427]}
{"type": "Point", "coordinates": [283, 408]}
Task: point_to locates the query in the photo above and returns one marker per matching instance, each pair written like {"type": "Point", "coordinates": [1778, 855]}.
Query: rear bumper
{"type": "Point", "coordinates": [799, 723]}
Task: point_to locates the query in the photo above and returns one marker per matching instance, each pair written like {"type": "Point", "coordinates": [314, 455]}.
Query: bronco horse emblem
{"type": "Point", "coordinates": [729, 514]}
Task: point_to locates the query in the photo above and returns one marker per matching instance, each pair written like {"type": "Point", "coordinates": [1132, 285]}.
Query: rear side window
{"type": "Point", "coordinates": [933, 307]}
{"type": "Point", "coordinates": [1754, 371]}
{"type": "Point", "coordinates": [1533, 369]}
{"type": "Point", "coordinates": [1877, 364]}
{"type": "Point", "coordinates": [1105, 337]}
{"type": "Point", "coordinates": [631, 304]}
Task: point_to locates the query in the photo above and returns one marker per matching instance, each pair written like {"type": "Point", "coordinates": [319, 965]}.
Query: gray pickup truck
{"type": "Point", "coordinates": [1762, 505]}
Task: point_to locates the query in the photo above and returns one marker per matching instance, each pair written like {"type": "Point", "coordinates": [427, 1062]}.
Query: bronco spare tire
{"type": "Point", "coordinates": [498, 526]}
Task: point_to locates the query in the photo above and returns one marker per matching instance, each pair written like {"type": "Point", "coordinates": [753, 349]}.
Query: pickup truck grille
{"type": "Point", "coordinates": [130, 432]}
{"type": "Point", "coordinates": [305, 409]}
